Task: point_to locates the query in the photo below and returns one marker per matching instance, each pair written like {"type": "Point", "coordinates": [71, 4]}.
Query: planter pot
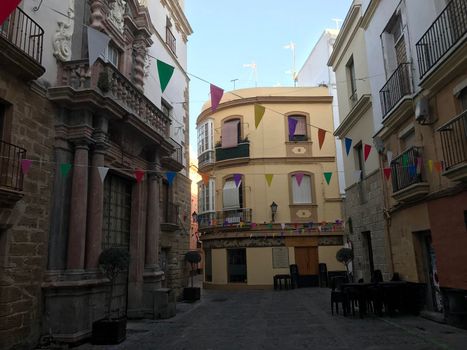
{"type": "Point", "coordinates": [191, 294]}
{"type": "Point", "coordinates": [107, 332]}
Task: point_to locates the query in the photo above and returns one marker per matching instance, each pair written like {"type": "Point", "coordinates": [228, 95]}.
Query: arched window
{"type": "Point", "coordinates": [232, 194]}
{"type": "Point", "coordinates": [302, 188]}
{"type": "Point", "coordinates": [297, 128]}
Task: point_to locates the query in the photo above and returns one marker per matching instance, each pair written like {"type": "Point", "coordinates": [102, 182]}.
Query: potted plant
{"type": "Point", "coordinates": [345, 256]}
{"type": "Point", "coordinates": [112, 328]}
{"type": "Point", "coordinates": [192, 293]}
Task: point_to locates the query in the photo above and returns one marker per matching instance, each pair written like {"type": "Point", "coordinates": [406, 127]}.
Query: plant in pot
{"type": "Point", "coordinates": [192, 293]}
{"type": "Point", "coordinates": [345, 256]}
{"type": "Point", "coordinates": [112, 328]}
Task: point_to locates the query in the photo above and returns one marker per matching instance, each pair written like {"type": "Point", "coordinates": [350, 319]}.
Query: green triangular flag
{"type": "Point", "coordinates": [259, 112]}
{"type": "Point", "coordinates": [405, 160]}
{"type": "Point", "coordinates": [269, 178]}
{"type": "Point", "coordinates": [65, 169]}
{"type": "Point", "coordinates": [327, 176]}
{"type": "Point", "coordinates": [165, 73]}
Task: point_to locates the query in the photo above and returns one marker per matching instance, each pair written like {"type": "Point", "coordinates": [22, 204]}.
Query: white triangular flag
{"type": "Point", "coordinates": [102, 172]}
{"type": "Point", "coordinates": [389, 155]}
{"type": "Point", "coordinates": [97, 44]}
{"type": "Point", "coordinates": [357, 175]}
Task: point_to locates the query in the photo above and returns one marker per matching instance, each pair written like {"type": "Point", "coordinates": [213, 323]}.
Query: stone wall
{"type": "Point", "coordinates": [364, 206]}
{"type": "Point", "coordinates": [24, 227]}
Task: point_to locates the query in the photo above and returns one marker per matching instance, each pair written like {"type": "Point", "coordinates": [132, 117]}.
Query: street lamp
{"type": "Point", "coordinates": [194, 216]}
{"type": "Point", "coordinates": [273, 210]}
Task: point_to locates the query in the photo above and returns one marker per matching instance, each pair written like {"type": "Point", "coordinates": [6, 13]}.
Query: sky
{"type": "Point", "coordinates": [229, 34]}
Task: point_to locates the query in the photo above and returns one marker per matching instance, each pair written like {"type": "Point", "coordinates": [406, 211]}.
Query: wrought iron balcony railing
{"type": "Point", "coordinates": [454, 141]}
{"type": "Point", "coordinates": [206, 158]}
{"type": "Point", "coordinates": [397, 86]}
{"type": "Point", "coordinates": [447, 29]}
{"type": "Point", "coordinates": [11, 175]}
{"type": "Point", "coordinates": [170, 40]}
{"type": "Point", "coordinates": [24, 33]}
{"type": "Point", "coordinates": [241, 151]}
{"type": "Point", "coordinates": [225, 218]}
{"type": "Point", "coordinates": [406, 169]}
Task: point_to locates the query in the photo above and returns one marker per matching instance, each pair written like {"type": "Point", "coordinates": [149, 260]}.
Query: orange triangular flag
{"type": "Point", "coordinates": [438, 166]}
{"type": "Point", "coordinates": [205, 178]}
{"type": "Point", "coordinates": [321, 136]}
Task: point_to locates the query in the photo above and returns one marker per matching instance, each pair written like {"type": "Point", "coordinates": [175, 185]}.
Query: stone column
{"type": "Point", "coordinates": [153, 224]}
{"type": "Point", "coordinates": [78, 208]}
{"type": "Point", "coordinates": [140, 49]}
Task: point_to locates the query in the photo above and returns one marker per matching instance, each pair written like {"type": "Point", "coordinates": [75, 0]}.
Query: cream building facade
{"type": "Point", "coordinates": [245, 244]}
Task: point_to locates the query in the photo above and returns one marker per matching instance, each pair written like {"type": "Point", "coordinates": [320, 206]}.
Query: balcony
{"type": "Point", "coordinates": [233, 218]}
{"type": "Point", "coordinates": [169, 217]}
{"type": "Point", "coordinates": [397, 87]}
{"type": "Point", "coordinates": [105, 89]}
{"type": "Point", "coordinates": [11, 176]}
{"type": "Point", "coordinates": [241, 151]}
{"type": "Point", "coordinates": [446, 31]}
{"type": "Point", "coordinates": [21, 40]}
{"type": "Point", "coordinates": [454, 144]}
{"type": "Point", "coordinates": [174, 162]}
{"type": "Point", "coordinates": [170, 40]}
{"type": "Point", "coordinates": [206, 159]}
{"type": "Point", "coordinates": [407, 180]}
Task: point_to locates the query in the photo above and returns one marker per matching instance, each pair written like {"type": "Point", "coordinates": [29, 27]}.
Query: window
{"type": "Point", "coordinates": [231, 133]}
{"type": "Point", "coordinates": [112, 55]}
{"type": "Point", "coordinates": [359, 160]}
{"type": "Point", "coordinates": [205, 137]}
{"type": "Point", "coordinates": [232, 196]}
{"type": "Point", "coordinates": [117, 212]}
{"type": "Point", "coordinates": [206, 196]}
{"type": "Point", "coordinates": [166, 108]}
{"type": "Point", "coordinates": [208, 265]}
{"type": "Point", "coordinates": [301, 193]}
{"type": "Point", "coordinates": [352, 84]}
{"type": "Point", "coordinates": [169, 37]}
{"type": "Point", "coordinates": [393, 42]}
{"type": "Point", "coordinates": [300, 132]}
{"type": "Point", "coordinates": [237, 265]}
{"type": "Point", "coordinates": [407, 138]}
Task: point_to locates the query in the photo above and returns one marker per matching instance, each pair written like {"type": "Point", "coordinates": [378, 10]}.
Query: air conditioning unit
{"type": "Point", "coordinates": [422, 111]}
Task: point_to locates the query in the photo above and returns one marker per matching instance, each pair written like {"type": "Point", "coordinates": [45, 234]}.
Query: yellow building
{"type": "Point", "coordinates": [267, 203]}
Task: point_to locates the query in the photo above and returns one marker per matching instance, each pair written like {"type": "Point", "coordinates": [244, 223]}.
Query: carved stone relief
{"type": "Point", "coordinates": [117, 10]}
{"type": "Point", "coordinates": [62, 37]}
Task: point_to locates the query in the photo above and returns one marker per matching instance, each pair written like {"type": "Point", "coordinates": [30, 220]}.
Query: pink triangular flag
{"type": "Point", "coordinates": [387, 173]}
{"type": "Point", "coordinates": [6, 8]}
{"type": "Point", "coordinates": [102, 172]}
{"type": "Point", "coordinates": [237, 179]}
{"type": "Point", "coordinates": [25, 165]}
{"type": "Point", "coordinates": [216, 96]}
{"type": "Point", "coordinates": [299, 177]}
{"type": "Point", "coordinates": [139, 174]}
{"type": "Point", "coordinates": [367, 151]}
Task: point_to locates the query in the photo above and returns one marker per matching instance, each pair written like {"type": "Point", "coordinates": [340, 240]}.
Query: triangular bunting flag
{"type": "Point", "coordinates": [438, 166]}
{"type": "Point", "coordinates": [7, 8]}
{"type": "Point", "coordinates": [205, 178]}
{"type": "Point", "coordinates": [283, 226]}
{"type": "Point", "coordinates": [405, 160]}
{"type": "Point", "coordinates": [26, 165]}
{"type": "Point", "coordinates": [389, 156]}
{"type": "Point", "coordinates": [97, 44]}
{"type": "Point", "coordinates": [299, 177]}
{"type": "Point", "coordinates": [216, 96]}
{"type": "Point", "coordinates": [348, 144]}
{"type": "Point", "coordinates": [430, 165]}
{"type": "Point", "coordinates": [367, 151]}
{"type": "Point", "coordinates": [102, 172]}
{"type": "Point", "coordinates": [419, 165]}
{"type": "Point", "coordinates": [412, 170]}
{"type": "Point", "coordinates": [357, 175]}
{"type": "Point", "coordinates": [259, 113]}
{"type": "Point", "coordinates": [237, 179]}
{"type": "Point", "coordinates": [65, 169]}
{"type": "Point", "coordinates": [327, 176]}
{"type": "Point", "coordinates": [292, 126]}
{"type": "Point", "coordinates": [139, 174]}
{"type": "Point", "coordinates": [170, 175]}
{"type": "Point", "coordinates": [165, 73]}
{"type": "Point", "coordinates": [269, 178]}
{"type": "Point", "coordinates": [321, 136]}
{"type": "Point", "coordinates": [387, 173]}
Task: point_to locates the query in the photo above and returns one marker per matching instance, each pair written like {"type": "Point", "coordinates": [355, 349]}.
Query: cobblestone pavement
{"type": "Point", "coordinates": [294, 319]}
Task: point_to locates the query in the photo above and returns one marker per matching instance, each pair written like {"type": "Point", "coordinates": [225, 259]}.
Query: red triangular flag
{"type": "Point", "coordinates": [139, 174]}
{"type": "Point", "coordinates": [205, 178]}
{"type": "Point", "coordinates": [25, 165]}
{"type": "Point", "coordinates": [387, 173]}
{"type": "Point", "coordinates": [367, 151]}
{"type": "Point", "coordinates": [216, 96]}
{"type": "Point", "coordinates": [321, 136]}
{"type": "Point", "coordinates": [6, 8]}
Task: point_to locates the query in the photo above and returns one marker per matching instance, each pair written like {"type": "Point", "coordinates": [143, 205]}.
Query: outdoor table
{"type": "Point", "coordinates": [361, 291]}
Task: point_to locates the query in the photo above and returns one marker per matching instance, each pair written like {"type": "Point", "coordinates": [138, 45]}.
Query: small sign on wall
{"type": "Point", "coordinates": [280, 257]}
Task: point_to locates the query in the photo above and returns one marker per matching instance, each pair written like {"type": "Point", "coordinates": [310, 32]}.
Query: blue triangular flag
{"type": "Point", "coordinates": [348, 144]}
{"type": "Point", "coordinates": [170, 176]}
{"type": "Point", "coordinates": [412, 169]}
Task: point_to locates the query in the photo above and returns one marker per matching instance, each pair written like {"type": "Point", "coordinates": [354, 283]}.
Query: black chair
{"type": "Point", "coordinates": [338, 295]}
{"type": "Point", "coordinates": [294, 275]}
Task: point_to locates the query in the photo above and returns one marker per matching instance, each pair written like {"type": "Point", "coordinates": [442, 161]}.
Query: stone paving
{"type": "Point", "coordinates": [294, 319]}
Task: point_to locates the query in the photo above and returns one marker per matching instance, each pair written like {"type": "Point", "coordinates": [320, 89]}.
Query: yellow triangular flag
{"type": "Point", "coordinates": [259, 112]}
{"type": "Point", "coordinates": [430, 165]}
{"type": "Point", "coordinates": [269, 178]}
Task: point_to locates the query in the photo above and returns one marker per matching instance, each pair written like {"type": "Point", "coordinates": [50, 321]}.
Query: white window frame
{"type": "Point", "coordinates": [298, 196]}
{"type": "Point", "coordinates": [205, 137]}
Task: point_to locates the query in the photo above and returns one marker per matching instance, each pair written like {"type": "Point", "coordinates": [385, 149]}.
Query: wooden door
{"type": "Point", "coordinates": [306, 259]}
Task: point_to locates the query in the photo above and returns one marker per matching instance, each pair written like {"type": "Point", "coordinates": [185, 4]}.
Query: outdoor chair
{"type": "Point", "coordinates": [338, 295]}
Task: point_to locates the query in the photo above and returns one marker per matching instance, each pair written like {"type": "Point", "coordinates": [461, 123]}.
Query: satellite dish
{"type": "Point", "coordinates": [379, 145]}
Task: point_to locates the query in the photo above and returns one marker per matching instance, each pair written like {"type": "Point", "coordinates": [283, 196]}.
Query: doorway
{"type": "Point", "coordinates": [236, 266]}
